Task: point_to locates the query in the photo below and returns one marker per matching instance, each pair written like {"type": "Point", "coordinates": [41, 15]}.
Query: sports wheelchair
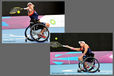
{"type": "Point", "coordinates": [33, 33]}
{"type": "Point", "coordinates": [92, 64]}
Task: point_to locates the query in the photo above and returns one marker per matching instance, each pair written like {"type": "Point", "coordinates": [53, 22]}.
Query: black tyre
{"type": "Point", "coordinates": [27, 34]}
{"type": "Point", "coordinates": [92, 63]}
{"type": "Point", "coordinates": [80, 65]}
{"type": "Point", "coordinates": [35, 32]}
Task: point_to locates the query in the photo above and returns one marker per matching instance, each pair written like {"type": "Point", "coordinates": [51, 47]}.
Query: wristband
{"type": "Point", "coordinates": [73, 48]}
{"type": "Point", "coordinates": [25, 8]}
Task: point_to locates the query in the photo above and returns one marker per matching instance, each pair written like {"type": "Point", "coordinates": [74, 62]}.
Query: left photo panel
{"type": "Point", "coordinates": [32, 21]}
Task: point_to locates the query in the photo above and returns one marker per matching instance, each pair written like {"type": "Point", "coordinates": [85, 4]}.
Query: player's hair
{"type": "Point", "coordinates": [81, 42]}
{"type": "Point", "coordinates": [30, 3]}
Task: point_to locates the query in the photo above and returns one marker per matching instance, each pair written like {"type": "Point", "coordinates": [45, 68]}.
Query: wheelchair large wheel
{"type": "Point", "coordinates": [80, 65]}
{"type": "Point", "coordinates": [27, 34]}
{"type": "Point", "coordinates": [92, 64]}
{"type": "Point", "coordinates": [36, 34]}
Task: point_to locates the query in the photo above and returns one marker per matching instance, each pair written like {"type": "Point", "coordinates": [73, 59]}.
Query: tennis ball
{"type": "Point", "coordinates": [56, 38]}
{"type": "Point", "coordinates": [18, 12]}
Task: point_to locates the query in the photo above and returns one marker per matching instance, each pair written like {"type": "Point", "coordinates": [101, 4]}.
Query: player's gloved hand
{"type": "Point", "coordinates": [65, 46]}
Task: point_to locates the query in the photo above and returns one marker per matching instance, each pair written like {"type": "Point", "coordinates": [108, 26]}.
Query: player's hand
{"type": "Point", "coordinates": [65, 46]}
{"type": "Point", "coordinates": [81, 57]}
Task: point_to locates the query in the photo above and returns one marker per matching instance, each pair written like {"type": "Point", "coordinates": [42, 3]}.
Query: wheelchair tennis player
{"type": "Point", "coordinates": [34, 17]}
{"type": "Point", "coordinates": [86, 51]}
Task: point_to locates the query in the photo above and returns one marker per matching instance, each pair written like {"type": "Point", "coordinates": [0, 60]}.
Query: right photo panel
{"type": "Point", "coordinates": [81, 54]}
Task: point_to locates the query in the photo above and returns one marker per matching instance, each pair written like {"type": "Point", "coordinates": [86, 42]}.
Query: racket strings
{"type": "Point", "coordinates": [55, 44]}
{"type": "Point", "coordinates": [14, 10]}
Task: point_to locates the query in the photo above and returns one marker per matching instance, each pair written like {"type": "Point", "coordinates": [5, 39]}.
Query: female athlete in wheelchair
{"type": "Point", "coordinates": [87, 62]}
{"type": "Point", "coordinates": [36, 31]}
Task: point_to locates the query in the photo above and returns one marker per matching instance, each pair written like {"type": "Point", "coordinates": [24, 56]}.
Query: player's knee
{"type": "Point", "coordinates": [47, 24]}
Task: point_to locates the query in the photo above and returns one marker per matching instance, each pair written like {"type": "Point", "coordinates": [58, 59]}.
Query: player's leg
{"type": "Point", "coordinates": [43, 30]}
{"type": "Point", "coordinates": [88, 55]}
{"type": "Point", "coordinates": [47, 25]}
{"type": "Point", "coordinates": [85, 64]}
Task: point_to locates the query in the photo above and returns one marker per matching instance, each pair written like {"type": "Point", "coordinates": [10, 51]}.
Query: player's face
{"type": "Point", "coordinates": [81, 44]}
{"type": "Point", "coordinates": [31, 5]}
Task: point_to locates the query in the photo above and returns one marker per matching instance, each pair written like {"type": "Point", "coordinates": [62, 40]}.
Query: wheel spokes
{"type": "Point", "coordinates": [40, 34]}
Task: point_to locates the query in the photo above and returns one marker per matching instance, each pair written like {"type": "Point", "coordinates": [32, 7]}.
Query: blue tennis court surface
{"type": "Point", "coordinates": [17, 35]}
{"type": "Point", "coordinates": [71, 69]}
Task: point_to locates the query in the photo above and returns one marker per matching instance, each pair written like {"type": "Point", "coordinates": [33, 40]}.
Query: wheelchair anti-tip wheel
{"type": "Point", "coordinates": [92, 65]}
{"type": "Point", "coordinates": [27, 34]}
{"type": "Point", "coordinates": [39, 32]}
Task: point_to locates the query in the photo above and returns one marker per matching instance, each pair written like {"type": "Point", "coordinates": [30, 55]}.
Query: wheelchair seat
{"type": "Point", "coordinates": [31, 23]}
{"type": "Point", "coordinates": [90, 55]}
{"type": "Point", "coordinates": [34, 21]}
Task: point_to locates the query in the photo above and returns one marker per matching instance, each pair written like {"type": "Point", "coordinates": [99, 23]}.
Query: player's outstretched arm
{"type": "Point", "coordinates": [72, 48]}
{"type": "Point", "coordinates": [27, 8]}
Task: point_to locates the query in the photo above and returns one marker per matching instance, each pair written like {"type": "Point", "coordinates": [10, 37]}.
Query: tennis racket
{"type": "Point", "coordinates": [55, 44]}
{"type": "Point", "coordinates": [15, 9]}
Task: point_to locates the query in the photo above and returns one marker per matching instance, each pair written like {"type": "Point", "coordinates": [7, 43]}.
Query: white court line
{"type": "Point", "coordinates": [14, 39]}
{"type": "Point", "coordinates": [74, 70]}
{"type": "Point", "coordinates": [67, 70]}
{"type": "Point", "coordinates": [12, 35]}
{"type": "Point", "coordinates": [15, 35]}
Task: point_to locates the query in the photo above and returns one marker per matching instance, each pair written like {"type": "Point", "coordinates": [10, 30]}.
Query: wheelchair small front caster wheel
{"type": "Point", "coordinates": [25, 40]}
{"type": "Point", "coordinates": [98, 70]}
